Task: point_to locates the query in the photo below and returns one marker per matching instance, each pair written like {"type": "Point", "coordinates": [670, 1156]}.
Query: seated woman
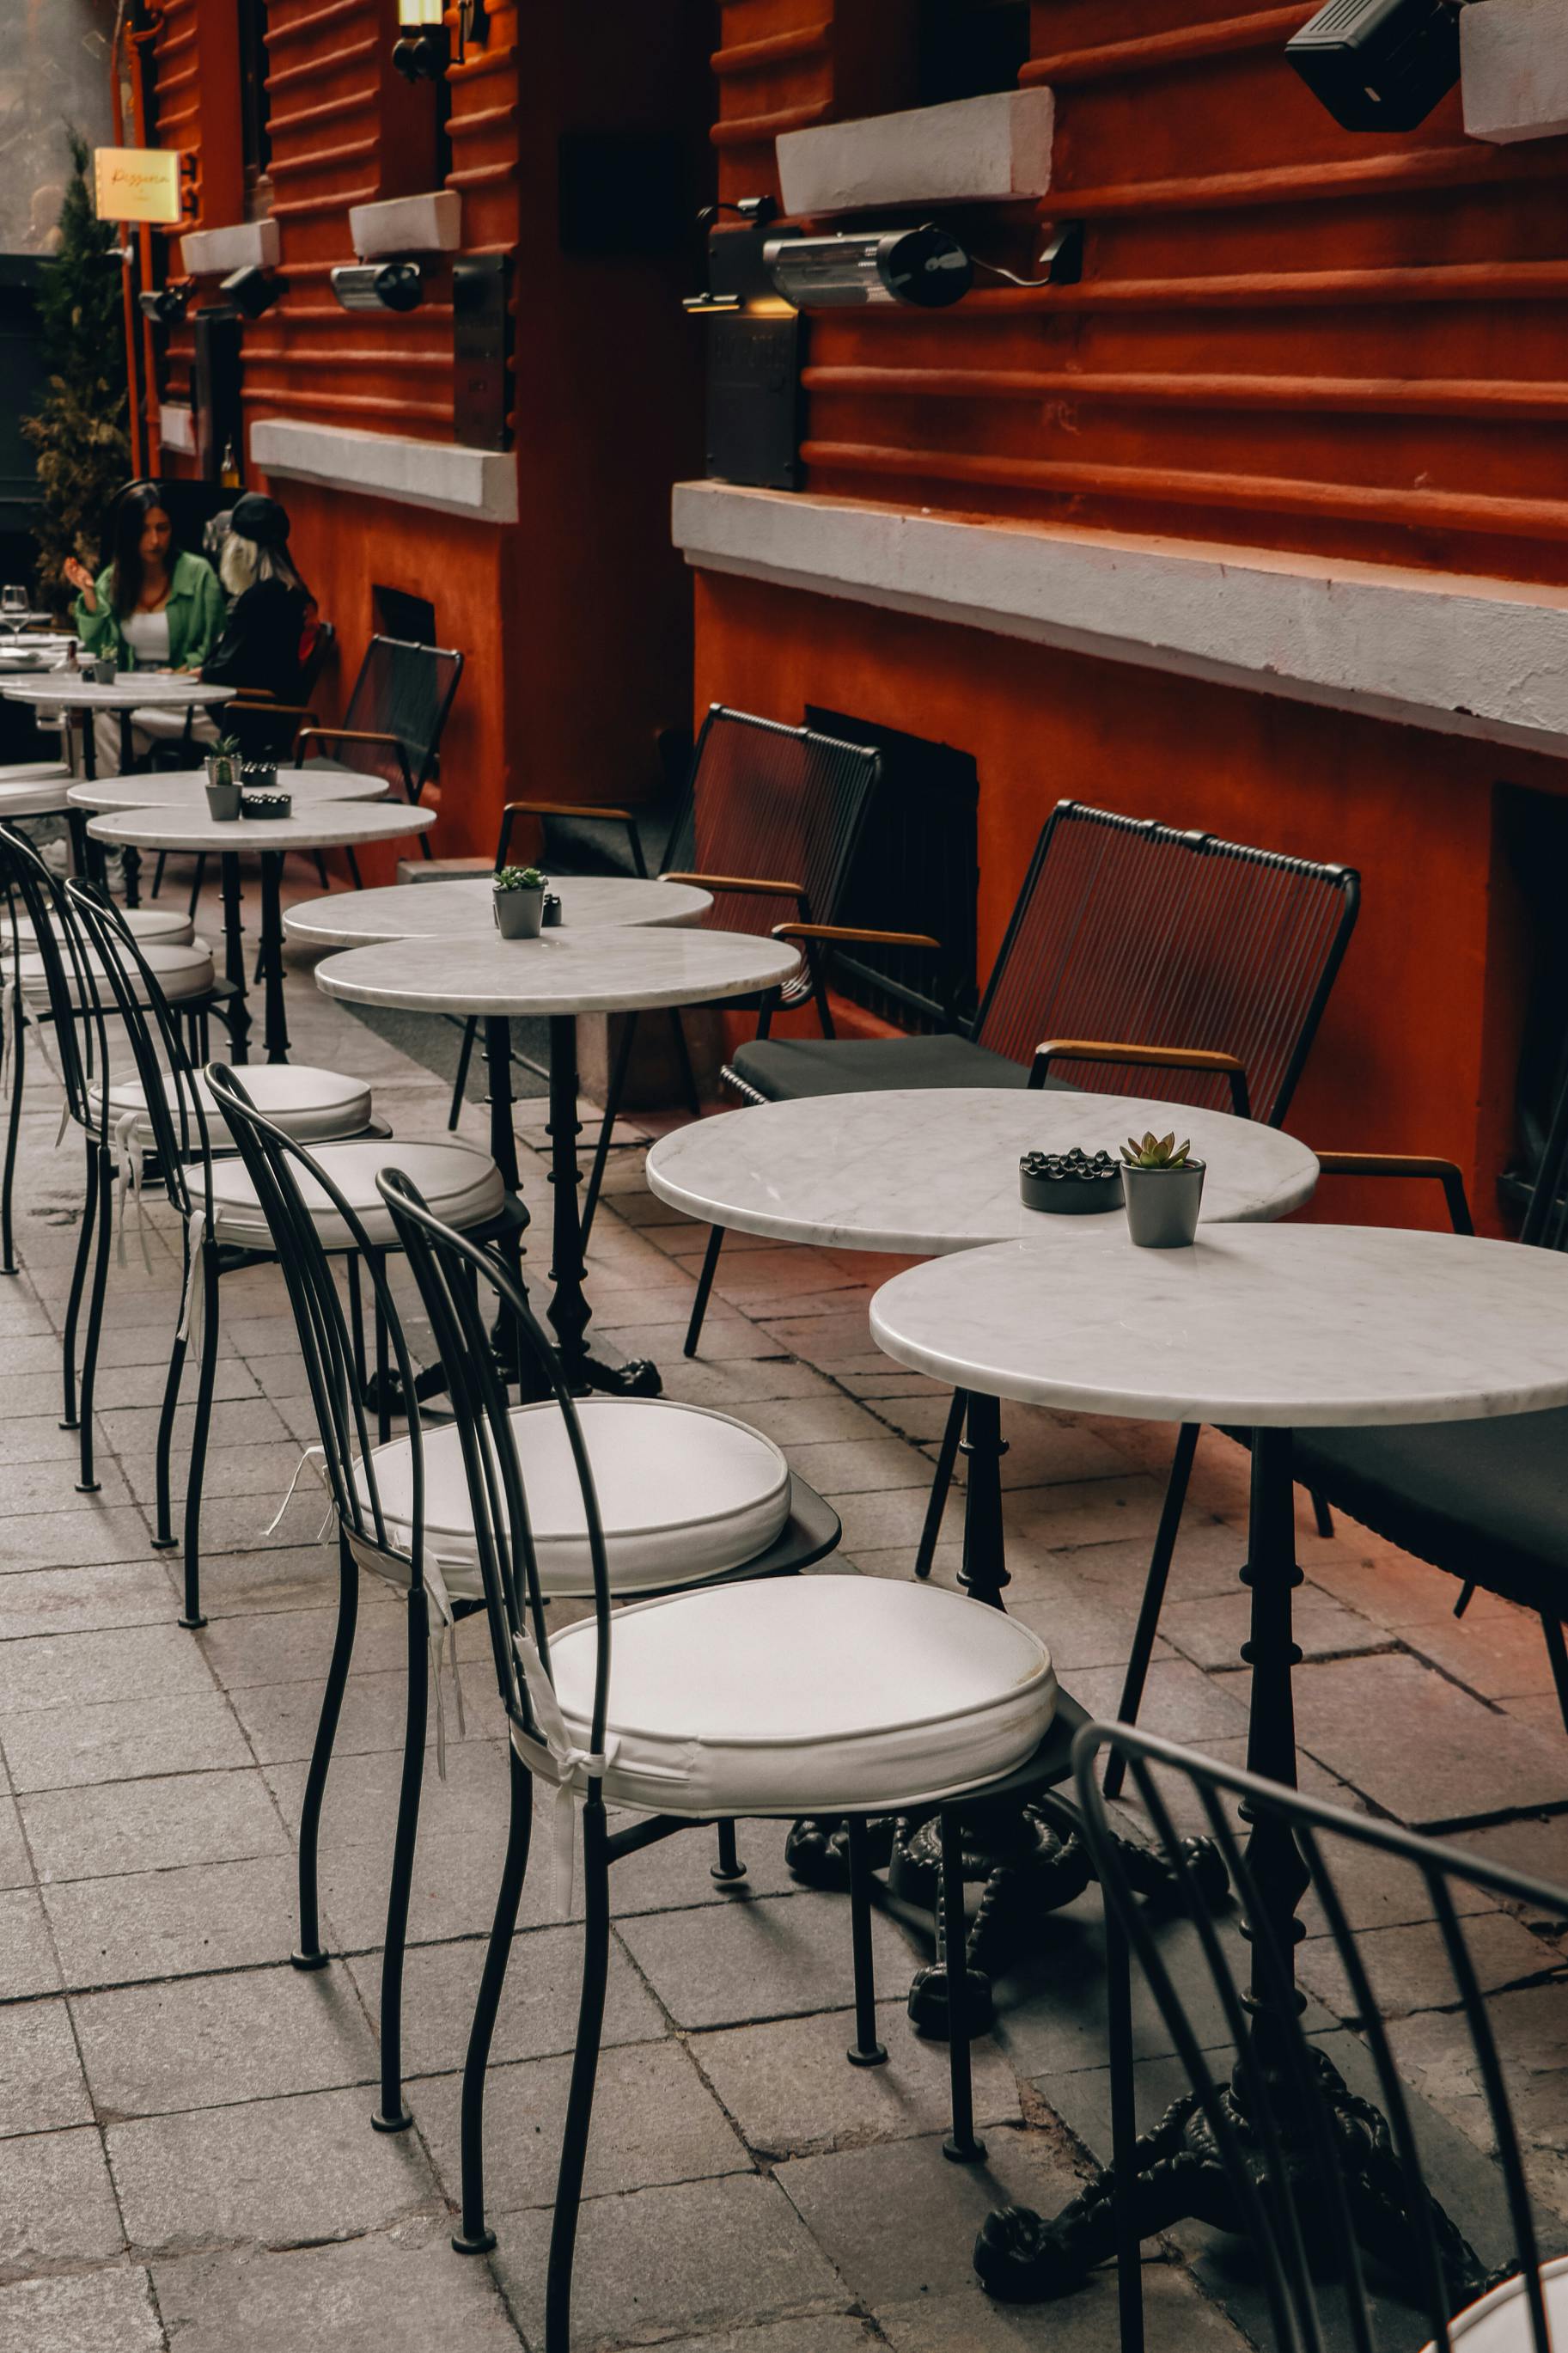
{"type": "Point", "coordinates": [152, 606]}
{"type": "Point", "coordinates": [264, 638]}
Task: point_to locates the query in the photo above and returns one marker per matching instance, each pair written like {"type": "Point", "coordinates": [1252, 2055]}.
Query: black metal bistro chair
{"type": "Point", "coordinates": [772, 821]}
{"type": "Point", "coordinates": [750, 1699]}
{"type": "Point", "coordinates": [1271, 2141]}
{"type": "Point", "coordinates": [395, 718]}
{"type": "Point", "coordinates": [689, 1497]}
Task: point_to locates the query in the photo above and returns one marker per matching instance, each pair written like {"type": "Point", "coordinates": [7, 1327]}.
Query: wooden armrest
{"type": "Point", "coordinates": [753, 885]}
{"type": "Point", "coordinates": [1406, 1164]}
{"type": "Point", "coordinates": [350, 735]}
{"type": "Point", "coordinates": [1153, 1058]}
{"type": "Point", "coordinates": [849, 932]}
{"type": "Point", "coordinates": [570, 808]}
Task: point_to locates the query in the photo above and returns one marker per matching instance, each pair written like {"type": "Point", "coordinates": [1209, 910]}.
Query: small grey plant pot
{"type": "Point", "coordinates": [1162, 1205]}
{"type": "Point", "coordinates": [105, 670]}
{"type": "Point", "coordinates": [223, 803]}
{"type": "Point", "coordinates": [520, 914]}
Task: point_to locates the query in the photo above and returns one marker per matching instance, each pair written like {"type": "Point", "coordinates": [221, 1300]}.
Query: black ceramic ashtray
{"type": "Point", "coordinates": [1069, 1183]}
{"type": "Point", "coordinates": [263, 804]}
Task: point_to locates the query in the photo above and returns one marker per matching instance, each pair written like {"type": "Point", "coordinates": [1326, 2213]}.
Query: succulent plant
{"type": "Point", "coordinates": [520, 877]}
{"type": "Point", "coordinates": [1155, 1151]}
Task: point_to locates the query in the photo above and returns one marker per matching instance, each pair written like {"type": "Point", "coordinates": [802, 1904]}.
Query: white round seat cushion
{"type": "Point", "coordinates": [180, 972]}
{"type": "Point", "coordinates": [165, 925]}
{"type": "Point", "coordinates": [1499, 2321]}
{"type": "Point", "coordinates": [462, 1186]}
{"type": "Point", "coordinates": [804, 1695]}
{"type": "Point", "coordinates": [43, 795]}
{"type": "Point", "coordinates": [685, 1493]}
{"type": "Point", "coordinates": [34, 772]}
{"type": "Point", "coordinates": [313, 1106]}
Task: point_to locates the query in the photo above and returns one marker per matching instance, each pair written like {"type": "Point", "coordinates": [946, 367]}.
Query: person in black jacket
{"type": "Point", "coordinates": [263, 642]}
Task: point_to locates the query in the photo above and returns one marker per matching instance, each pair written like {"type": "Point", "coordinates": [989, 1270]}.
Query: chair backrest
{"type": "Point", "coordinates": [401, 690]}
{"type": "Point", "coordinates": [456, 1277]}
{"type": "Point", "coordinates": [76, 1008]}
{"type": "Point", "coordinates": [274, 1161]}
{"type": "Point", "coordinates": [772, 804]}
{"type": "Point", "coordinates": [1546, 1215]}
{"type": "Point", "coordinates": [1130, 932]}
{"type": "Point", "coordinates": [1287, 2190]}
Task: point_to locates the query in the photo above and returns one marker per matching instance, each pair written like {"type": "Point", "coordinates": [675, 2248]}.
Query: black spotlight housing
{"type": "Point", "coordinates": [1379, 65]}
{"type": "Point", "coordinates": [250, 290]}
{"type": "Point", "coordinates": [379, 286]}
{"type": "Point", "coordinates": [166, 305]}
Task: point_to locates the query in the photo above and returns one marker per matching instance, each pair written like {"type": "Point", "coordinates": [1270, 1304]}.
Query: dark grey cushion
{"type": "Point", "coordinates": [1486, 1500]}
{"type": "Point", "coordinates": [784, 1068]}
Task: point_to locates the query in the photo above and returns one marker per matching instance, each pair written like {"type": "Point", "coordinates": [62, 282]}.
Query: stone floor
{"type": "Point", "coordinates": [185, 2158]}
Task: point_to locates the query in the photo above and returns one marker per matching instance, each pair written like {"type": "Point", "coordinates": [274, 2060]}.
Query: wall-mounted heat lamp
{"type": "Point", "coordinates": [1379, 65]}
{"type": "Point", "coordinates": [166, 305]}
{"type": "Point", "coordinates": [250, 290]}
{"type": "Point", "coordinates": [924, 267]}
{"type": "Point", "coordinates": [423, 50]}
{"type": "Point", "coordinates": [379, 285]}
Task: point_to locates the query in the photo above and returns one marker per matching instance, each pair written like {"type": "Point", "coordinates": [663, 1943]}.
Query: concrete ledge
{"type": "Point", "coordinates": [974, 150]}
{"type": "Point", "coordinates": [1514, 65]}
{"type": "Point", "coordinates": [1464, 657]}
{"type": "Point", "coordinates": [432, 223]}
{"type": "Point", "coordinates": [177, 430]}
{"type": "Point", "coordinates": [437, 474]}
{"type": "Point", "coordinates": [212, 252]}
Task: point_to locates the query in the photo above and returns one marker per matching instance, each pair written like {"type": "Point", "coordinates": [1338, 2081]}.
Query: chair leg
{"type": "Point", "coordinates": [197, 879]}
{"type": "Point", "coordinates": [69, 1418]}
{"type": "Point", "coordinates": [1322, 1517]}
{"type": "Point", "coordinates": [1153, 1599]}
{"type": "Point", "coordinates": [356, 1323]}
{"type": "Point", "coordinates": [322, 875]}
{"type": "Point", "coordinates": [165, 1539]}
{"type": "Point", "coordinates": [961, 2145]}
{"type": "Point", "coordinates": [13, 1140]}
{"type": "Point", "coordinates": [104, 1179]}
{"type": "Point", "coordinates": [465, 1056]}
{"type": "Point", "coordinates": [392, 2115]}
{"type": "Point", "coordinates": [704, 1287]}
{"type": "Point", "coordinates": [309, 1953]}
{"type": "Point", "coordinates": [1124, 2135]}
{"type": "Point", "coordinates": [584, 2074]}
{"type": "Point", "coordinates": [683, 1056]}
{"type": "Point", "coordinates": [729, 1867]}
{"type": "Point", "coordinates": [158, 873]}
{"type": "Point", "coordinates": [383, 1363]}
{"type": "Point", "coordinates": [612, 1106]}
{"type": "Point", "coordinates": [475, 2237]}
{"type": "Point", "coordinates": [941, 1482]}
{"type": "Point", "coordinates": [1557, 1651]}
{"type": "Point", "coordinates": [353, 862]}
{"type": "Point", "coordinates": [865, 2051]}
{"type": "Point", "coordinates": [191, 1614]}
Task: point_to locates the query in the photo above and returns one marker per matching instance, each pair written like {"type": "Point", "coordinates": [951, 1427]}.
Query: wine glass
{"type": "Point", "coordinates": [12, 607]}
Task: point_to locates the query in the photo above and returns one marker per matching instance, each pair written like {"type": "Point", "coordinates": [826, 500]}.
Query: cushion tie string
{"type": "Point", "coordinates": [10, 1031]}
{"type": "Point", "coordinates": [192, 1305]}
{"type": "Point", "coordinates": [315, 1458]}
{"type": "Point", "coordinates": [443, 1650]}
{"type": "Point", "coordinates": [128, 1184]}
{"type": "Point", "coordinates": [570, 1763]}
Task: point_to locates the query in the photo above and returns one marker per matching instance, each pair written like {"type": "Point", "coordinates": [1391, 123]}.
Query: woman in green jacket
{"type": "Point", "coordinates": [150, 608]}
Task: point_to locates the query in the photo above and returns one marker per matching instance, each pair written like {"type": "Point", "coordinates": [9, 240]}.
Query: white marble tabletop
{"type": "Point", "coordinates": [1281, 1326]}
{"type": "Point", "coordinates": [932, 1169]}
{"type": "Point", "coordinates": [403, 911]}
{"type": "Point", "coordinates": [610, 970]}
{"type": "Point", "coordinates": [326, 825]}
{"type": "Point", "coordinates": [155, 690]}
{"type": "Point", "coordinates": [186, 789]}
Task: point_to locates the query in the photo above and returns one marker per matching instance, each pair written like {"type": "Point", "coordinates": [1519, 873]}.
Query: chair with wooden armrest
{"type": "Point", "coordinates": [1486, 1500]}
{"type": "Point", "coordinates": [393, 726]}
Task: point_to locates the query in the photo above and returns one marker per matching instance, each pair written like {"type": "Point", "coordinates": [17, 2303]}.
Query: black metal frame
{"type": "Point", "coordinates": [416, 773]}
{"type": "Point", "coordinates": [1280, 2148]}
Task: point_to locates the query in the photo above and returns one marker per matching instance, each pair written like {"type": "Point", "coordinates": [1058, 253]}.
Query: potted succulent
{"type": "Point", "coordinates": [1162, 1184]}
{"type": "Point", "coordinates": [519, 901]}
{"type": "Point", "coordinates": [223, 780]}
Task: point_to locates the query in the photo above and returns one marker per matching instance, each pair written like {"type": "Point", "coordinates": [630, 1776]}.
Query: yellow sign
{"type": "Point", "coordinates": [136, 183]}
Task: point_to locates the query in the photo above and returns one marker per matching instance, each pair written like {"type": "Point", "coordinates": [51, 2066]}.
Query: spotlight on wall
{"type": "Point", "coordinates": [250, 290]}
{"type": "Point", "coordinates": [922, 266]}
{"type": "Point", "coordinates": [379, 286]}
{"type": "Point", "coordinates": [1379, 65]}
{"type": "Point", "coordinates": [421, 52]}
{"type": "Point", "coordinates": [167, 305]}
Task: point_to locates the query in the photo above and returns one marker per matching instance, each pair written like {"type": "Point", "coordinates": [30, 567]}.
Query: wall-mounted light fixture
{"type": "Point", "coordinates": [924, 266]}
{"type": "Point", "coordinates": [379, 286]}
{"type": "Point", "coordinates": [251, 290]}
{"type": "Point", "coordinates": [167, 305]}
{"type": "Point", "coordinates": [1379, 65]}
{"type": "Point", "coordinates": [422, 49]}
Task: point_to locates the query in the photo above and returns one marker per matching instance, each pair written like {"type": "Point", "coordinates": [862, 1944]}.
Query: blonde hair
{"type": "Point", "coordinates": [238, 564]}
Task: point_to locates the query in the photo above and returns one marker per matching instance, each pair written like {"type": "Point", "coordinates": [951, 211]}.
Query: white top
{"type": "Point", "coordinates": [602, 971]}
{"type": "Point", "coordinates": [930, 1169]}
{"type": "Point", "coordinates": [147, 635]}
{"type": "Point", "coordinates": [323, 826]}
{"type": "Point", "coordinates": [186, 788]}
{"type": "Point", "coordinates": [1260, 1325]}
{"type": "Point", "coordinates": [157, 689]}
{"type": "Point", "coordinates": [406, 911]}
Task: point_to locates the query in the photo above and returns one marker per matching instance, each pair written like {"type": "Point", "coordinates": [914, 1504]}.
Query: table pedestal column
{"type": "Point", "coordinates": [275, 1031]}
{"type": "Point", "coordinates": [568, 1311]}
{"type": "Point", "coordinates": [1179, 2174]}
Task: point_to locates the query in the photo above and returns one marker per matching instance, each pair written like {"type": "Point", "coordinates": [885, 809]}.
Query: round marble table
{"type": "Point", "coordinates": [186, 789]}
{"type": "Point", "coordinates": [329, 825]}
{"type": "Point", "coordinates": [133, 689]}
{"type": "Point", "coordinates": [933, 1169]}
{"type": "Point", "coordinates": [461, 910]}
{"type": "Point", "coordinates": [1269, 1328]}
{"type": "Point", "coordinates": [558, 976]}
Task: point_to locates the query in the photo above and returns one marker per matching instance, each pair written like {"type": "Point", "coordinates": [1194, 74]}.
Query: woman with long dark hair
{"type": "Point", "coordinates": [152, 606]}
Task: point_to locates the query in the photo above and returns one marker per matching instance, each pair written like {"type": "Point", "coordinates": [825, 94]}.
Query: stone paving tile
{"type": "Point", "coordinates": [40, 1487]}
{"type": "Point", "coordinates": [28, 1963]}
{"type": "Point", "coordinates": [1499, 1653]}
{"type": "Point", "coordinates": [167, 1923]}
{"type": "Point", "coordinates": [67, 1670]}
{"type": "Point", "coordinates": [654, 2122]}
{"type": "Point", "coordinates": [538, 2013]}
{"type": "Point", "coordinates": [792, 2092]}
{"type": "Point", "coordinates": [1409, 1970]}
{"type": "Point", "coordinates": [274, 2170]}
{"type": "Point", "coordinates": [77, 1600]}
{"type": "Point", "coordinates": [160, 1824]}
{"type": "Point", "coordinates": [296, 1645]}
{"type": "Point", "coordinates": [363, 1791]}
{"type": "Point", "coordinates": [16, 1863]}
{"type": "Point", "coordinates": [61, 1539]}
{"type": "Point", "coordinates": [122, 1740]}
{"type": "Point", "coordinates": [838, 2333]}
{"type": "Point", "coordinates": [704, 2255]}
{"type": "Point", "coordinates": [41, 2083]}
{"type": "Point", "coordinates": [1536, 1844]}
{"type": "Point", "coordinates": [1359, 1716]}
{"type": "Point", "coordinates": [773, 1958]}
{"type": "Point", "coordinates": [211, 2041]}
{"type": "Point", "coordinates": [87, 2312]}
{"type": "Point", "coordinates": [1210, 1631]}
{"type": "Point", "coordinates": [38, 1437]}
{"type": "Point", "coordinates": [856, 1466]}
{"type": "Point", "coordinates": [1179, 1700]}
{"type": "Point", "coordinates": [229, 1470]}
{"type": "Point", "coordinates": [1177, 2319]}
{"type": "Point", "coordinates": [131, 1431]}
{"type": "Point", "coordinates": [398, 2291]}
{"type": "Point", "coordinates": [454, 1891]}
{"type": "Point", "coordinates": [57, 2203]}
